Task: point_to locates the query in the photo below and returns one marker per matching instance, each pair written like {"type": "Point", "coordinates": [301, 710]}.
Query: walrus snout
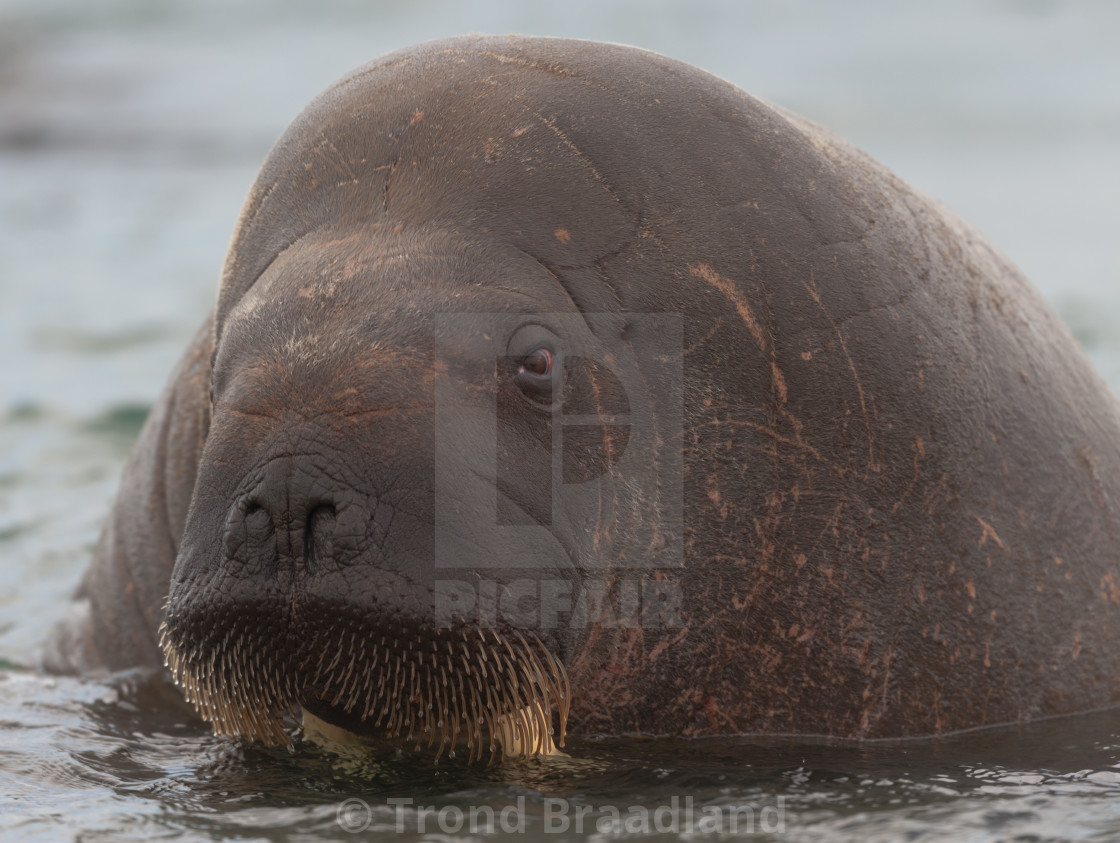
{"type": "Point", "coordinates": [300, 518]}
{"type": "Point", "coordinates": [319, 598]}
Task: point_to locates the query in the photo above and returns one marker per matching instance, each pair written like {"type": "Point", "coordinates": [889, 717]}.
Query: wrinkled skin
{"type": "Point", "coordinates": [886, 486]}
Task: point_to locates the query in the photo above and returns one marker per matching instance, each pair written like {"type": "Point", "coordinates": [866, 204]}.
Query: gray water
{"type": "Point", "coordinates": [130, 131]}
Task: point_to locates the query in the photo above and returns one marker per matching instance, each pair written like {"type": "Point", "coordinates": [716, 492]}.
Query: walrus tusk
{"type": "Point", "coordinates": [515, 743]}
{"type": "Point", "coordinates": [320, 730]}
{"type": "Point", "coordinates": [522, 734]}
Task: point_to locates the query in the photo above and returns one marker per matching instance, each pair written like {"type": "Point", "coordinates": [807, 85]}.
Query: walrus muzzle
{"type": "Point", "coordinates": [436, 687]}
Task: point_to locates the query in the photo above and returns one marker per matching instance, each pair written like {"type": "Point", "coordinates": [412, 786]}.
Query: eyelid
{"type": "Point", "coordinates": [530, 337]}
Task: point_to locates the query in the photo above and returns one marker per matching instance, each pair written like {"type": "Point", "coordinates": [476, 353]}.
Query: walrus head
{"type": "Point", "coordinates": [349, 475]}
{"type": "Point", "coordinates": [425, 436]}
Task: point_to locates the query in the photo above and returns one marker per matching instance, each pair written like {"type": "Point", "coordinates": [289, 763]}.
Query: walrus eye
{"type": "Point", "coordinates": [539, 363]}
{"type": "Point", "coordinates": [535, 375]}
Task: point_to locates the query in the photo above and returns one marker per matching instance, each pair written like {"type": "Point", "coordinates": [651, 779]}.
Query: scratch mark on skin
{"type": "Point", "coordinates": [727, 288]}
{"type": "Point", "coordinates": [832, 525]}
{"type": "Point", "coordinates": [919, 455]}
{"type": "Point", "coordinates": [587, 161]}
{"type": "Point", "coordinates": [877, 708]}
{"type": "Point", "coordinates": [666, 643]}
{"type": "Point", "coordinates": [777, 437]}
{"type": "Point", "coordinates": [505, 59]}
{"type": "Point", "coordinates": [835, 526]}
{"type": "Point", "coordinates": [886, 676]}
{"type": "Point", "coordinates": [704, 339]}
{"type": "Point", "coordinates": [709, 276]}
{"type": "Point", "coordinates": [931, 498]}
{"type": "Point", "coordinates": [392, 168]}
{"type": "Point", "coordinates": [1109, 590]}
{"type": "Point", "coordinates": [810, 287]}
{"type": "Point", "coordinates": [989, 533]}
{"type": "Point", "coordinates": [778, 408]}
{"type": "Point", "coordinates": [338, 159]}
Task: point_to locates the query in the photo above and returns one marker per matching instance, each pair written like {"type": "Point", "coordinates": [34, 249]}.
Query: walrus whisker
{"type": "Point", "coordinates": [469, 687]}
{"type": "Point", "coordinates": [544, 729]}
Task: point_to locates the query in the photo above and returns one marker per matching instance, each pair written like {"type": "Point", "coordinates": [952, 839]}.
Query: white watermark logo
{"type": "Point", "coordinates": [549, 603]}
{"type": "Point", "coordinates": [353, 815]}
{"type": "Point", "coordinates": [558, 430]}
{"type": "Point", "coordinates": [675, 815]}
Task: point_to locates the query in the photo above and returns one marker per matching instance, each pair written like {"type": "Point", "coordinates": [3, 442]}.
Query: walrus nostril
{"type": "Point", "coordinates": [319, 536]}
{"type": "Point", "coordinates": [251, 537]}
{"type": "Point", "coordinates": [258, 523]}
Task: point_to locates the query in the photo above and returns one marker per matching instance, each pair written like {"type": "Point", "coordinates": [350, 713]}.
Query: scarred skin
{"type": "Point", "coordinates": [901, 475]}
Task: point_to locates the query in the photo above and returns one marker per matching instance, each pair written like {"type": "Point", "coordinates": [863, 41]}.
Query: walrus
{"type": "Point", "coordinates": [555, 385]}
